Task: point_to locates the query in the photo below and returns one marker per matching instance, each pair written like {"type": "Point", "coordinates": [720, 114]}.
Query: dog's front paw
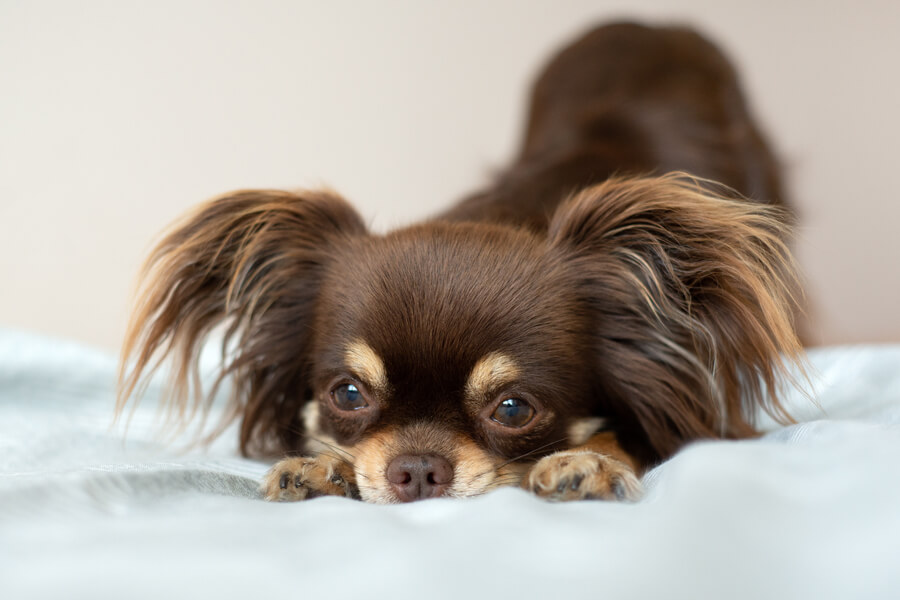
{"type": "Point", "coordinates": [582, 475]}
{"type": "Point", "coordinates": [304, 478]}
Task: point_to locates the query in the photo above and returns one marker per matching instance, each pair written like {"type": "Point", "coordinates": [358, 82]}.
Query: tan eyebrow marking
{"type": "Point", "coordinates": [365, 362]}
{"type": "Point", "coordinates": [489, 373]}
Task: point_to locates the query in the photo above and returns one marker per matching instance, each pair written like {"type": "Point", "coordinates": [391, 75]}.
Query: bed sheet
{"type": "Point", "coordinates": [806, 511]}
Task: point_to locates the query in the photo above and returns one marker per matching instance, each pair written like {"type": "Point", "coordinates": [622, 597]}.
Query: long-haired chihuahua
{"type": "Point", "coordinates": [624, 288]}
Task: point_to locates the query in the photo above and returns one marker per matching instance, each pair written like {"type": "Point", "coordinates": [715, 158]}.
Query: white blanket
{"type": "Point", "coordinates": [808, 511]}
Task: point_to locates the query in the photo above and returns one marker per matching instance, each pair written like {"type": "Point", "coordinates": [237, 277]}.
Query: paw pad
{"type": "Point", "coordinates": [582, 475]}
{"type": "Point", "coordinates": [311, 478]}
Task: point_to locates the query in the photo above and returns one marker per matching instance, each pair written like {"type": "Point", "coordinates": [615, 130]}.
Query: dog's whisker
{"type": "Point", "coordinates": [496, 484]}
{"type": "Point", "coordinates": [521, 456]}
{"type": "Point", "coordinates": [301, 431]}
{"type": "Point", "coordinates": [361, 474]}
{"type": "Point", "coordinates": [532, 452]}
{"type": "Point", "coordinates": [499, 484]}
{"type": "Point", "coordinates": [331, 455]}
{"type": "Point", "coordinates": [334, 447]}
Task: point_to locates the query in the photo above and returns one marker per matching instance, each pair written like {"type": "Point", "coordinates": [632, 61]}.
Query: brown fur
{"type": "Point", "coordinates": [660, 303]}
{"type": "Point", "coordinates": [626, 99]}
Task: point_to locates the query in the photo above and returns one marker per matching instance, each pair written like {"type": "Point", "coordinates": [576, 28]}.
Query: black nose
{"type": "Point", "coordinates": [419, 476]}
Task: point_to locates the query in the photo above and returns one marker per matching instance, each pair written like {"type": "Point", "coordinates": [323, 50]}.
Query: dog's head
{"type": "Point", "coordinates": [447, 349]}
{"type": "Point", "coordinates": [440, 359]}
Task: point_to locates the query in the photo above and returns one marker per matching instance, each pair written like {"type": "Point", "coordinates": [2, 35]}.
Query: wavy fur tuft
{"type": "Point", "coordinates": [694, 293]}
{"type": "Point", "coordinates": [250, 262]}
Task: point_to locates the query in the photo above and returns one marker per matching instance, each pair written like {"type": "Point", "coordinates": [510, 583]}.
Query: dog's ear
{"type": "Point", "coordinates": [250, 262]}
{"type": "Point", "coordinates": [691, 291]}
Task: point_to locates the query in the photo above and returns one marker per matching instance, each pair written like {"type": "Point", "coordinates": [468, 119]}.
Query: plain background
{"type": "Point", "coordinates": [116, 117]}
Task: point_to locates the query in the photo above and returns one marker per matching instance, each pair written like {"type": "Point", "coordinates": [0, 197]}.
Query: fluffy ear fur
{"type": "Point", "coordinates": [691, 290]}
{"type": "Point", "coordinates": [250, 261]}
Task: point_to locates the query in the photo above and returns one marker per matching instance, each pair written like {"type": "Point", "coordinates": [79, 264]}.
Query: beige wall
{"type": "Point", "coordinates": [117, 116]}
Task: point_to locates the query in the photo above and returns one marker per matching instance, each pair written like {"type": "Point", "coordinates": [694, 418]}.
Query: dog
{"type": "Point", "coordinates": [624, 288]}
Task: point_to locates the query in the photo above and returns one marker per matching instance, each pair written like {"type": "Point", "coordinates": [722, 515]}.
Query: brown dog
{"type": "Point", "coordinates": [580, 320]}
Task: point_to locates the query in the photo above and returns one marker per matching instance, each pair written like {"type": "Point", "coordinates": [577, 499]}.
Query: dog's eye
{"type": "Point", "coordinates": [513, 412]}
{"type": "Point", "coordinates": [348, 397]}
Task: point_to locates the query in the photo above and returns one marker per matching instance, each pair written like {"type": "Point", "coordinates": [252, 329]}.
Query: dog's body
{"type": "Point", "coordinates": [523, 337]}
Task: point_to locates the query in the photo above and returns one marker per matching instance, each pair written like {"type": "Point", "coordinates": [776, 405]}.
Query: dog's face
{"type": "Point", "coordinates": [443, 352]}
